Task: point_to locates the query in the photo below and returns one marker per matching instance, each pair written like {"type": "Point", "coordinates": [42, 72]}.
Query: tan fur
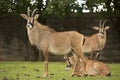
{"type": "Point", "coordinates": [48, 40]}
{"type": "Point", "coordinates": [96, 42]}
{"type": "Point", "coordinates": [91, 68]}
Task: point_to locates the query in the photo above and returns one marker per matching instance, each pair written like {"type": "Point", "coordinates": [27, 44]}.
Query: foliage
{"type": "Point", "coordinates": [110, 5]}
{"type": "Point", "coordinates": [6, 6]}
{"type": "Point", "coordinates": [63, 8]}
{"type": "Point", "coordinates": [10, 7]}
{"type": "Point", "coordinates": [58, 8]}
{"type": "Point", "coordinates": [35, 70]}
{"type": "Point", "coordinates": [91, 4]}
{"type": "Point", "coordinates": [48, 7]}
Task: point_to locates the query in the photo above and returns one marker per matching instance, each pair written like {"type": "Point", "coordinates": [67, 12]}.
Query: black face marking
{"type": "Point", "coordinates": [68, 63]}
{"type": "Point", "coordinates": [30, 23]}
{"type": "Point", "coordinates": [101, 32]}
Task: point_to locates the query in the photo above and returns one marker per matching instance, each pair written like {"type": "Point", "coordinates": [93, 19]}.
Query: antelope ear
{"type": "Point", "coordinates": [24, 16]}
{"type": "Point", "coordinates": [96, 28]}
{"type": "Point", "coordinates": [36, 16]}
{"type": "Point", "coordinates": [107, 27]}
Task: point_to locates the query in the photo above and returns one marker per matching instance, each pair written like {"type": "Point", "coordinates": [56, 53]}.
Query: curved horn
{"type": "Point", "coordinates": [100, 23]}
{"type": "Point", "coordinates": [28, 11]}
{"type": "Point", "coordinates": [104, 23]}
{"type": "Point", "coordinates": [34, 12]}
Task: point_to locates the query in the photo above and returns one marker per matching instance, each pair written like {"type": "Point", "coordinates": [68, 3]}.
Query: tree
{"type": "Point", "coordinates": [58, 8]}
{"type": "Point", "coordinates": [8, 7]}
{"type": "Point", "coordinates": [62, 8]}
{"type": "Point", "coordinates": [116, 12]}
{"type": "Point", "coordinates": [111, 7]}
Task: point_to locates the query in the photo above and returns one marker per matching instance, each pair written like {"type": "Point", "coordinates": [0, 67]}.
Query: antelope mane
{"type": "Point", "coordinates": [43, 27]}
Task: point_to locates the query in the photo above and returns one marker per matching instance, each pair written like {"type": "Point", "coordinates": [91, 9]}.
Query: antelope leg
{"type": "Point", "coordinates": [92, 55]}
{"type": "Point", "coordinates": [98, 55]}
{"type": "Point", "coordinates": [46, 64]}
{"type": "Point", "coordinates": [75, 66]}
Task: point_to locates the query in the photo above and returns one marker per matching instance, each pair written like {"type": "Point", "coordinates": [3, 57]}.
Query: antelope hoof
{"type": "Point", "coordinates": [72, 74]}
{"type": "Point", "coordinates": [81, 75]}
{"type": "Point", "coordinates": [45, 75]}
{"type": "Point", "coordinates": [67, 68]}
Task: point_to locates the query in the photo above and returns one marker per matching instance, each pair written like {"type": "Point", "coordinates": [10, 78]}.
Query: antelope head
{"type": "Point", "coordinates": [101, 28]}
{"type": "Point", "coordinates": [70, 61]}
{"type": "Point", "coordinates": [30, 18]}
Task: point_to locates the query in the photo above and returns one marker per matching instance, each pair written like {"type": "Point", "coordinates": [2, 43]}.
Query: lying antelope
{"type": "Point", "coordinates": [96, 42]}
{"type": "Point", "coordinates": [91, 68]}
{"type": "Point", "coordinates": [47, 40]}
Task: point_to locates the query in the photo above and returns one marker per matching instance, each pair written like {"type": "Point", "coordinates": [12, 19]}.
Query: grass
{"type": "Point", "coordinates": [14, 70]}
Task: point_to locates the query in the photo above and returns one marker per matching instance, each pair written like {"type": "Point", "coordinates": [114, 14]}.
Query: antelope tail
{"type": "Point", "coordinates": [83, 41]}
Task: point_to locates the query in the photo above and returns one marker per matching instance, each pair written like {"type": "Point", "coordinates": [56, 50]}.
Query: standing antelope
{"type": "Point", "coordinates": [96, 42]}
{"type": "Point", "coordinates": [91, 68]}
{"type": "Point", "coordinates": [49, 41]}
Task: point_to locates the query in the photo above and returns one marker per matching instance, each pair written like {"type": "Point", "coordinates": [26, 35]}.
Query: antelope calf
{"type": "Point", "coordinates": [91, 68]}
{"type": "Point", "coordinates": [96, 42]}
{"type": "Point", "coordinates": [47, 40]}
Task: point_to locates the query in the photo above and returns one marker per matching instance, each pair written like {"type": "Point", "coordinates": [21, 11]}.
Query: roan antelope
{"type": "Point", "coordinates": [94, 44]}
{"type": "Point", "coordinates": [47, 40]}
{"type": "Point", "coordinates": [91, 68]}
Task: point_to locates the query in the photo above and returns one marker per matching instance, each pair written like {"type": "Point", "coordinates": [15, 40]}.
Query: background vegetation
{"type": "Point", "coordinates": [64, 8]}
{"type": "Point", "coordinates": [61, 15]}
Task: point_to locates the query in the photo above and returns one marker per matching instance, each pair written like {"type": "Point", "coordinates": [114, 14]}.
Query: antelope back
{"type": "Point", "coordinates": [101, 28]}
{"type": "Point", "coordinates": [97, 68]}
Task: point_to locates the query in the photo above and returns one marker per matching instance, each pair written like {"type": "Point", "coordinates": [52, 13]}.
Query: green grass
{"type": "Point", "coordinates": [14, 70]}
